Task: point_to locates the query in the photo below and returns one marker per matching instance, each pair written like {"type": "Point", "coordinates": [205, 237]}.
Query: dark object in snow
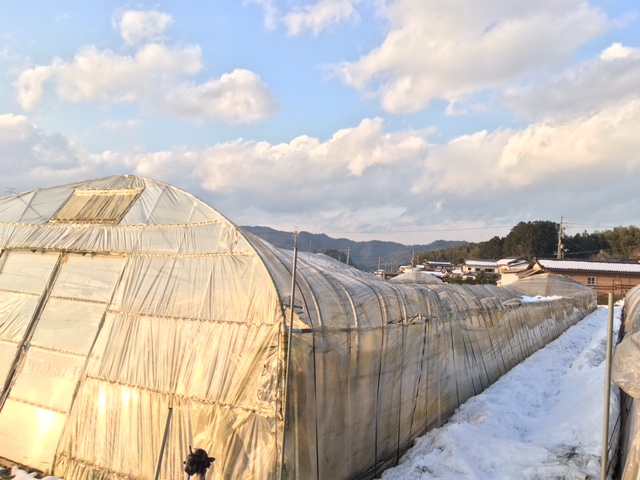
{"type": "Point", "coordinates": [197, 462]}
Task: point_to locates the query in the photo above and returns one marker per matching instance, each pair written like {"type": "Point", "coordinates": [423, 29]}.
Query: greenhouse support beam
{"type": "Point", "coordinates": [164, 443]}
{"type": "Point", "coordinates": [285, 403]}
{"type": "Point", "coordinates": [604, 462]}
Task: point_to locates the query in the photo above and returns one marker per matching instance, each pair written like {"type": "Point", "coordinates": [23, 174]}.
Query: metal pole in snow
{"type": "Point", "coordinates": [285, 403]}
{"type": "Point", "coordinates": [607, 392]}
{"type": "Point", "coordinates": [164, 443]}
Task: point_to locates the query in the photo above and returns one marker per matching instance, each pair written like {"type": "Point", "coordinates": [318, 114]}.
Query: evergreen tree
{"type": "Point", "coordinates": [532, 239]}
{"type": "Point", "coordinates": [624, 242]}
{"type": "Point", "coordinates": [585, 245]}
{"type": "Point", "coordinates": [491, 249]}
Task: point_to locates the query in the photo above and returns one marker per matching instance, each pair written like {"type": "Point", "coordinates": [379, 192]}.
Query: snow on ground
{"type": "Point", "coordinates": [538, 298]}
{"type": "Point", "coordinates": [541, 420]}
{"type": "Point", "coordinates": [17, 474]}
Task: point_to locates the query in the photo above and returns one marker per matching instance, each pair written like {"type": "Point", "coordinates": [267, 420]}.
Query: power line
{"type": "Point", "coordinates": [587, 225]}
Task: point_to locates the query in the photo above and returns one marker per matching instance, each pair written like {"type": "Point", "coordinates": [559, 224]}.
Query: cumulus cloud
{"type": "Point", "coordinates": [368, 178]}
{"type": "Point", "coordinates": [399, 180]}
{"type": "Point", "coordinates": [16, 133]}
{"type": "Point", "coordinates": [29, 85]}
{"type": "Point", "coordinates": [319, 16]}
{"type": "Point", "coordinates": [611, 78]}
{"type": "Point", "coordinates": [361, 154]}
{"type": "Point", "coordinates": [569, 166]}
{"type": "Point", "coordinates": [139, 26]}
{"type": "Point", "coordinates": [617, 51]}
{"type": "Point", "coordinates": [107, 76]}
{"type": "Point", "coordinates": [450, 51]}
{"type": "Point", "coordinates": [30, 158]}
{"type": "Point", "coordinates": [237, 97]}
{"type": "Point", "coordinates": [314, 17]}
{"type": "Point", "coordinates": [155, 76]}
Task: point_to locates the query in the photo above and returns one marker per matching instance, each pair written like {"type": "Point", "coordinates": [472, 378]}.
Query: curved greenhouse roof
{"type": "Point", "coordinates": [136, 321]}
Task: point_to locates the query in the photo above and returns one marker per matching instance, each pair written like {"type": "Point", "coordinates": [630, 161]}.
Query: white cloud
{"type": "Point", "coordinates": [107, 76]}
{"type": "Point", "coordinates": [155, 76]}
{"type": "Point", "coordinates": [450, 51]}
{"type": "Point", "coordinates": [360, 154]}
{"type": "Point", "coordinates": [599, 145]}
{"type": "Point", "coordinates": [366, 177]}
{"type": "Point", "coordinates": [314, 17]}
{"type": "Point", "coordinates": [318, 16]}
{"type": "Point", "coordinates": [29, 158]}
{"type": "Point", "coordinates": [237, 97]}
{"type": "Point", "coordinates": [30, 85]}
{"type": "Point", "coordinates": [573, 157]}
{"type": "Point", "coordinates": [139, 26]}
{"type": "Point", "coordinates": [125, 125]}
{"type": "Point", "coordinates": [609, 79]}
{"type": "Point", "coordinates": [15, 130]}
{"type": "Point", "coordinates": [616, 51]}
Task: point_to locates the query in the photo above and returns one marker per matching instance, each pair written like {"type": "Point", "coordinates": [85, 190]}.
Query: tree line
{"type": "Point", "coordinates": [540, 239]}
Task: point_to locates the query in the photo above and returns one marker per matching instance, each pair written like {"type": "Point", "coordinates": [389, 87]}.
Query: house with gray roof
{"type": "Point", "coordinates": [603, 277]}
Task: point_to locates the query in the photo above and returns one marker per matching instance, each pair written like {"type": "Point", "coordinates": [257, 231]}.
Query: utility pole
{"type": "Point", "coordinates": [560, 254]}
{"type": "Point", "coordinates": [348, 252]}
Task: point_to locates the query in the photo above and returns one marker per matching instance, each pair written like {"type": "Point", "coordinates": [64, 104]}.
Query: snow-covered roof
{"type": "Point", "coordinates": [586, 266]}
{"type": "Point", "coordinates": [511, 261]}
{"type": "Point", "coordinates": [481, 263]}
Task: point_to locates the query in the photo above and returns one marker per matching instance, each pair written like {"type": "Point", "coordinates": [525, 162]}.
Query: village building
{"type": "Point", "coordinates": [471, 268]}
{"type": "Point", "coordinates": [510, 268]}
{"type": "Point", "coordinates": [384, 274]}
{"type": "Point", "coordinates": [438, 265]}
{"type": "Point", "coordinates": [603, 277]}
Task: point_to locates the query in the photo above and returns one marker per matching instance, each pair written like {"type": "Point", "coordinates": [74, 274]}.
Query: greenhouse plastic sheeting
{"type": "Point", "coordinates": [137, 322]}
{"type": "Point", "coordinates": [626, 374]}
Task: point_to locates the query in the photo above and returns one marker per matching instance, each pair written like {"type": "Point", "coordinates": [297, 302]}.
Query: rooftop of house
{"type": "Point", "coordinates": [503, 262]}
{"type": "Point", "coordinates": [588, 266]}
{"type": "Point", "coordinates": [481, 263]}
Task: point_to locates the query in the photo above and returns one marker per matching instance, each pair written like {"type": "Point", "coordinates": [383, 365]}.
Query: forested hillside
{"type": "Point", "coordinates": [540, 239]}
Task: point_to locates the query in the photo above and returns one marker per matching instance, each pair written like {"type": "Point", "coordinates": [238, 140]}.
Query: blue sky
{"type": "Point", "coordinates": [405, 120]}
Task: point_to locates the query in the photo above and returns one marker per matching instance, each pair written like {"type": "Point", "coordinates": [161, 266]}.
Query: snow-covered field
{"type": "Point", "coordinates": [542, 420]}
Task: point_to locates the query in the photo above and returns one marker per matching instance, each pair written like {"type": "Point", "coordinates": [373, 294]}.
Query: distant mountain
{"type": "Point", "coordinates": [363, 255]}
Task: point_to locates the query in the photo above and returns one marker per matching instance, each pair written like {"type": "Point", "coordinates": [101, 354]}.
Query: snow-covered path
{"type": "Point", "coordinates": [542, 420]}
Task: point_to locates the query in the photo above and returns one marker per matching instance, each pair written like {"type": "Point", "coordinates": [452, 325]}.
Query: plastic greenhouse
{"type": "Point", "coordinates": [136, 321]}
{"type": "Point", "coordinates": [626, 375]}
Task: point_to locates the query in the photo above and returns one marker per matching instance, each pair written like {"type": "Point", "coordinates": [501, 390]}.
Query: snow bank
{"type": "Point", "coordinates": [18, 474]}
